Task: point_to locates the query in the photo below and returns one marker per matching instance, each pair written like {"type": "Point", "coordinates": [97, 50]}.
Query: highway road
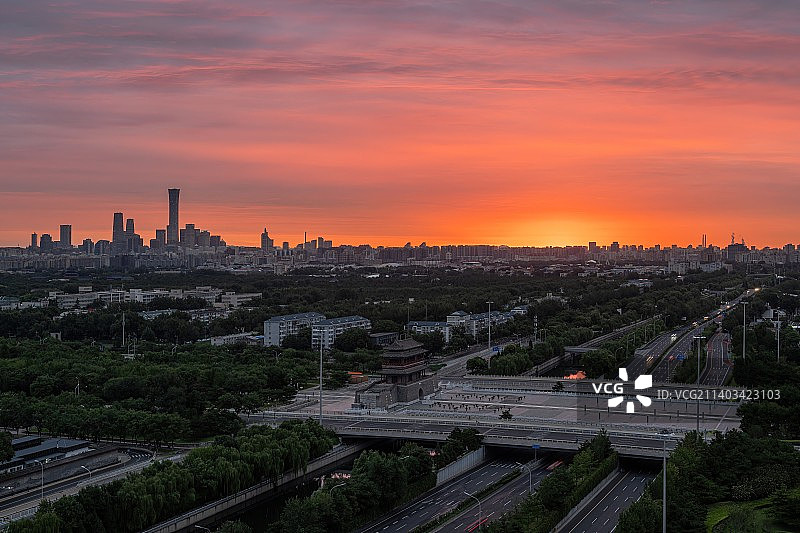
{"type": "Point", "coordinates": [650, 352]}
{"type": "Point", "coordinates": [30, 498]}
{"type": "Point", "coordinates": [502, 500]}
{"type": "Point", "coordinates": [601, 513]}
{"type": "Point", "coordinates": [457, 367]}
{"type": "Point", "coordinates": [443, 498]}
{"type": "Point", "coordinates": [666, 367]}
{"type": "Point", "coordinates": [635, 441]}
{"type": "Point", "coordinates": [719, 364]}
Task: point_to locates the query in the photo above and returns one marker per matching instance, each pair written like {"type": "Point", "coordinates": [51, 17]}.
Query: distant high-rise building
{"type": "Point", "coordinates": [161, 236]}
{"type": "Point", "coordinates": [266, 242]}
{"type": "Point", "coordinates": [129, 228]}
{"type": "Point", "coordinates": [172, 227]}
{"type": "Point", "coordinates": [65, 237]}
{"type": "Point", "coordinates": [87, 247]}
{"type": "Point", "coordinates": [615, 246]}
{"type": "Point", "coordinates": [204, 239]}
{"type": "Point", "coordinates": [102, 247]}
{"type": "Point", "coordinates": [188, 235]}
{"type": "Point", "coordinates": [118, 232]}
{"type": "Point", "coordinates": [320, 243]}
{"type": "Point", "coordinates": [34, 240]}
{"type": "Point", "coordinates": [592, 246]}
{"type": "Point", "coordinates": [46, 242]}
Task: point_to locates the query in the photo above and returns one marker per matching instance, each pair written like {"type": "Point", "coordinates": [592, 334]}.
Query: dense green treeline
{"type": "Point", "coordinates": [168, 488]}
{"type": "Point", "coordinates": [161, 396]}
{"type": "Point", "coordinates": [561, 490]}
{"type": "Point", "coordinates": [778, 414]}
{"type": "Point", "coordinates": [388, 301]}
{"type": "Point", "coordinates": [6, 451]}
{"type": "Point", "coordinates": [378, 483]}
{"type": "Point", "coordinates": [459, 442]}
{"type": "Point", "coordinates": [734, 466]}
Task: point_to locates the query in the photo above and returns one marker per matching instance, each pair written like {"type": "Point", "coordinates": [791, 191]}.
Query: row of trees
{"type": "Point", "coordinates": [615, 354]}
{"type": "Point", "coordinates": [388, 301]}
{"type": "Point", "coordinates": [378, 483]}
{"type": "Point", "coordinates": [735, 467]}
{"type": "Point", "coordinates": [760, 369]}
{"type": "Point", "coordinates": [70, 388]}
{"type": "Point", "coordinates": [167, 488]}
{"type": "Point", "coordinates": [561, 490]}
{"type": "Point", "coordinates": [6, 451]}
{"type": "Point", "coordinates": [459, 442]}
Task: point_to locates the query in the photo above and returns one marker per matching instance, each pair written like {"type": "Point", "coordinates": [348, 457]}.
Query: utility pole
{"type": "Point", "coordinates": [779, 338]}
{"type": "Point", "coordinates": [744, 329]}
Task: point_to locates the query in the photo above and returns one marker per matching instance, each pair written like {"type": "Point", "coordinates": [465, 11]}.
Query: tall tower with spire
{"type": "Point", "coordinates": [266, 243]}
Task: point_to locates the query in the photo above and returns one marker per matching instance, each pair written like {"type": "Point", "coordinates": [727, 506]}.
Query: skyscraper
{"type": "Point", "coordinates": [129, 230]}
{"type": "Point", "coordinates": [172, 227]}
{"type": "Point", "coordinates": [65, 240]}
{"type": "Point", "coordinates": [34, 240]}
{"type": "Point", "coordinates": [266, 242]}
{"type": "Point", "coordinates": [118, 232]}
{"type": "Point", "coordinates": [46, 243]}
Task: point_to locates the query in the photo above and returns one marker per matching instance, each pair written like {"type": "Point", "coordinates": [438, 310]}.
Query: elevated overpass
{"type": "Point", "coordinates": [631, 442]}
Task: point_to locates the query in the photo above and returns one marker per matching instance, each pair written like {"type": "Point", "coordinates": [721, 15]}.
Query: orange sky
{"type": "Point", "coordinates": [516, 123]}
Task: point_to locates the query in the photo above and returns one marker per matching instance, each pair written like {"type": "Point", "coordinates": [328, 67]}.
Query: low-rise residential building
{"type": "Point", "coordinates": [278, 327]}
{"type": "Point", "coordinates": [251, 338]}
{"type": "Point", "coordinates": [473, 324]}
{"type": "Point", "coordinates": [429, 326]}
{"type": "Point", "coordinates": [8, 303]}
{"type": "Point", "coordinates": [325, 332]}
{"type": "Point", "coordinates": [234, 300]}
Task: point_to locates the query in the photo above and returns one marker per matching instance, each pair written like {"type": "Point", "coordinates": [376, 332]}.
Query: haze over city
{"type": "Point", "coordinates": [515, 123]}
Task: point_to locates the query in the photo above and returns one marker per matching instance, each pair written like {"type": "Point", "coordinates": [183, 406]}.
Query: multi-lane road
{"type": "Point", "coordinates": [29, 499]}
{"type": "Point", "coordinates": [442, 498]}
{"type": "Point", "coordinates": [718, 365]}
{"type": "Point", "coordinates": [502, 500]}
{"type": "Point", "coordinates": [602, 512]}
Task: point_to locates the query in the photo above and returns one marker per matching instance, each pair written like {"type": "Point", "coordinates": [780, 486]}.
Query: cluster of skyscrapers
{"type": "Point", "coordinates": [124, 238]}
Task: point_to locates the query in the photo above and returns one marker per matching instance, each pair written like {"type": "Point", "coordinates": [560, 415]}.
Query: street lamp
{"type": "Point", "coordinates": [779, 335]}
{"type": "Point", "coordinates": [530, 476]}
{"type": "Point", "coordinates": [699, 338]}
{"type": "Point", "coordinates": [42, 465]}
{"type": "Point", "coordinates": [90, 472]}
{"type": "Point", "coordinates": [744, 328]}
{"type": "Point", "coordinates": [204, 528]}
{"type": "Point", "coordinates": [480, 509]}
{"type": "Point", "coordinates": [320, 378]}
{"type": "Point", "coordinates": [489, 303]}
